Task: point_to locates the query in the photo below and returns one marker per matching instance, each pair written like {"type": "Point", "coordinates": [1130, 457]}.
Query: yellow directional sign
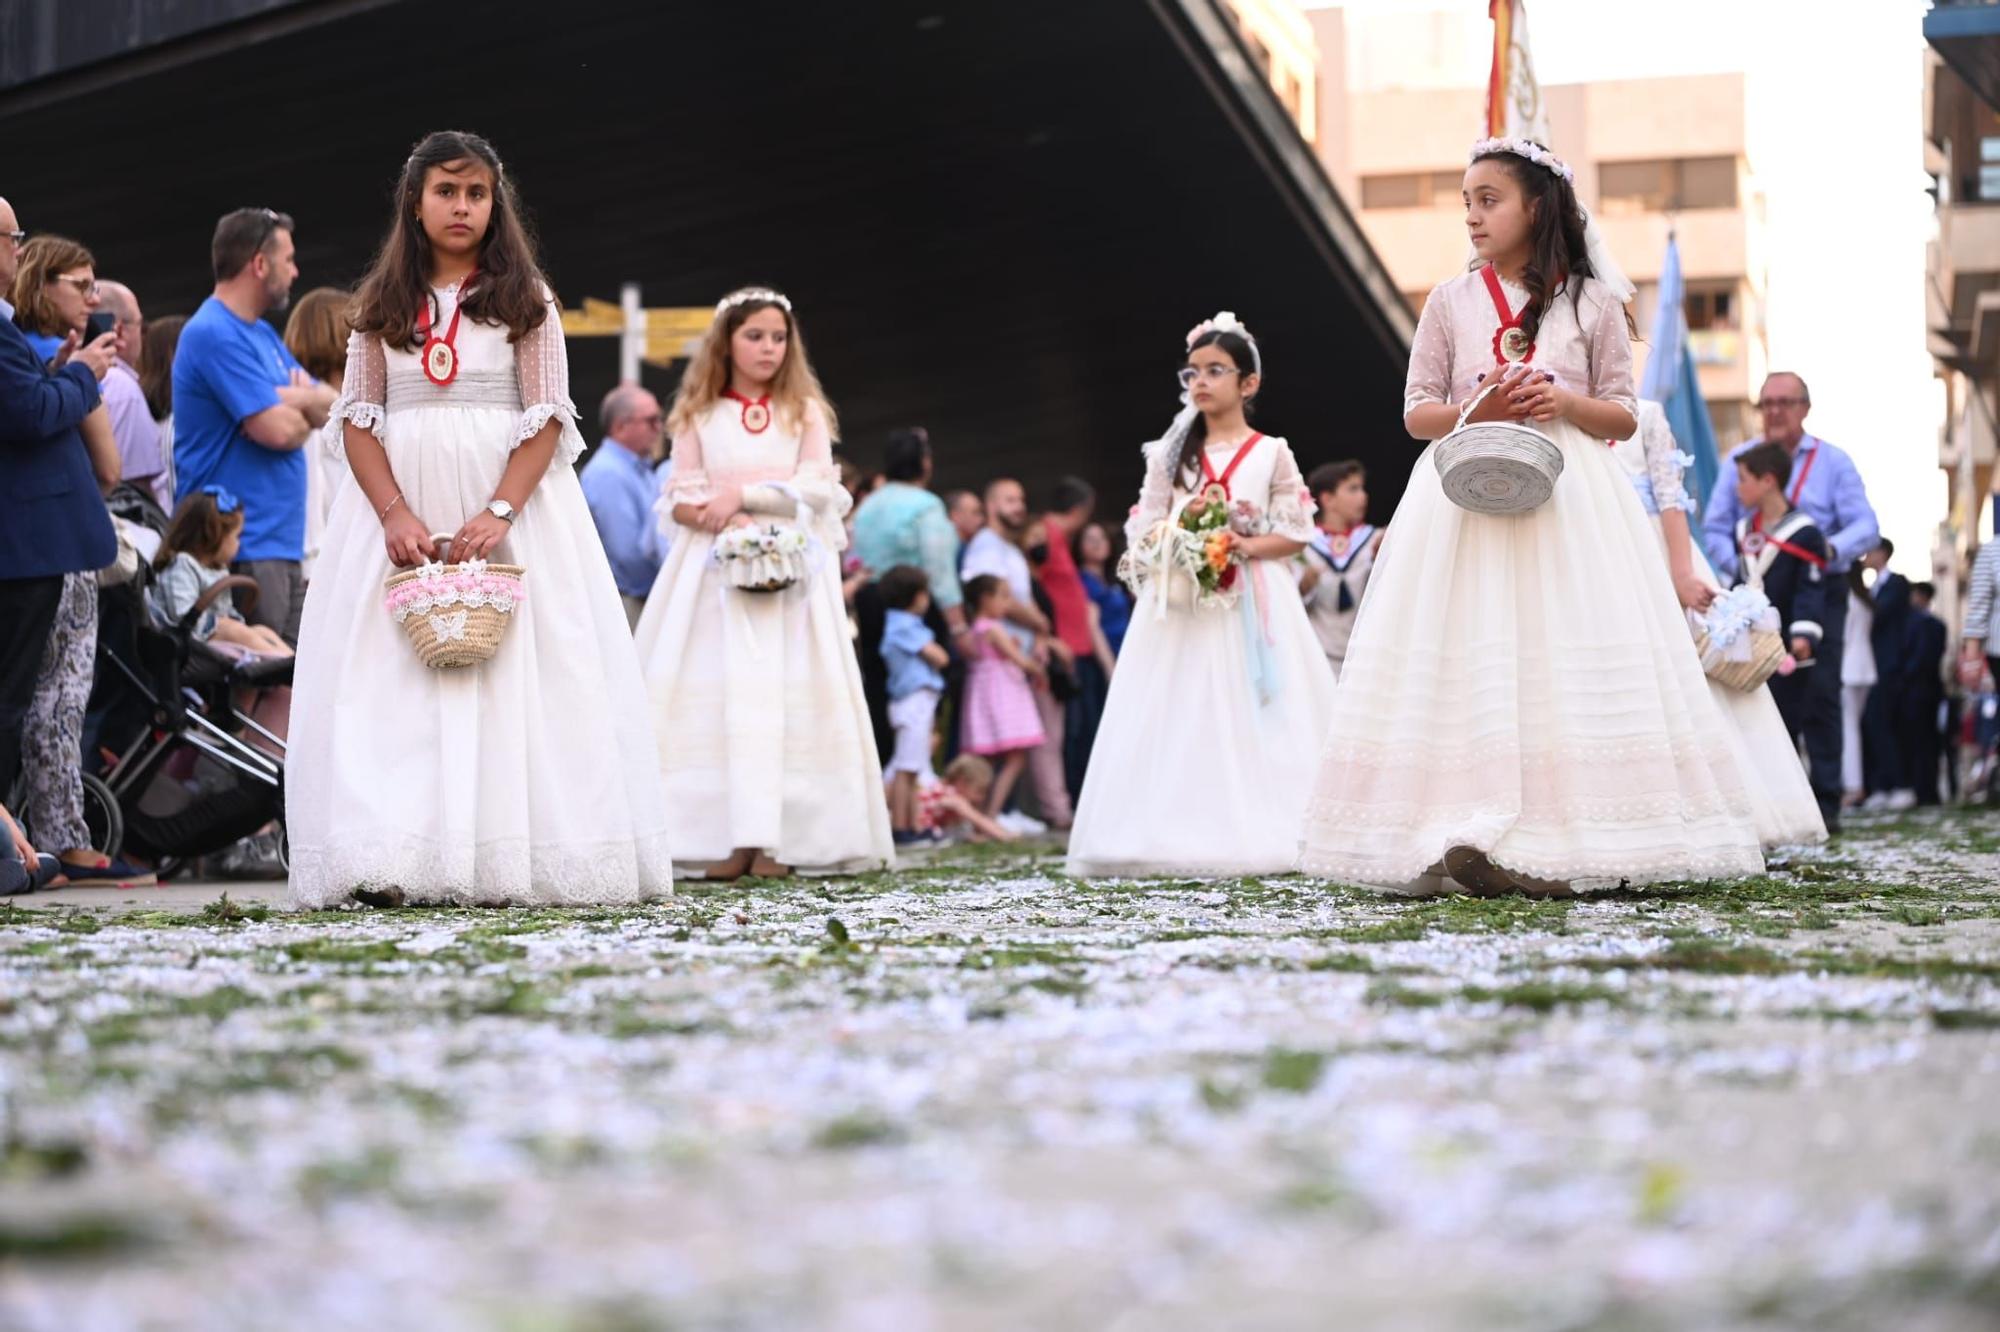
{"type": "Point", "coordinates": [672, 332]}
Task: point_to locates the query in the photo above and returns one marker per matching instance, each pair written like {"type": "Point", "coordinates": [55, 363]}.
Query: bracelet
{"type": "Point", "coordinates": [390, 505]}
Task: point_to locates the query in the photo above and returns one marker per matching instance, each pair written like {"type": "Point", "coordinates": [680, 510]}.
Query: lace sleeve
{"type": "Point", "coordinates": [1611, 356]}
{"type": "Point", "coordinates": [1290, 508]}
{"type": "Point", "coordinates": [688, 482]}
{"type": "Point", "coordinates": [363, 392]}
{"type": "Point", "coordinates": [1156, 498]}
{"type": "Point", "coordinates": [1666, 465]}
{"type": "Point", "coordinates": [1429, 378]}
{"type": "Point", "coordinates": [815, 483]}
{"type": "Point", "coordinates": [542, 363]}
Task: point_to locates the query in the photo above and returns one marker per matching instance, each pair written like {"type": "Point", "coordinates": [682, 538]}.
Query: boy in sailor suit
{"type": "Point", "coordinates": [1782, 552]}
{"type": "Point", "coordinates": [1333, 570]}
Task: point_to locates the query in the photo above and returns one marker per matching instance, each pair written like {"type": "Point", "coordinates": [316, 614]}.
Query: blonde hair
{"type": "Point", "coordinates": [317, 331]}
{"type": "Point", "coordinates": [43, 259]}
{"type": "Point", "coordinates": [794, 389]}
{"type": "Point", "coordinates": [968, 766]}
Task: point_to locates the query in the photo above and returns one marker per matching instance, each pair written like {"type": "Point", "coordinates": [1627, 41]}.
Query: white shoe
{"type": "Point", "coordinates": [1876, 803]}
{"type": "Point", "coordinates": [1021, 825]}
{"type": "Point", "coordinates": [1898, 801]}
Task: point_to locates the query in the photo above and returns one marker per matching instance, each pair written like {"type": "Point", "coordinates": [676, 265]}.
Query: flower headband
{"type": "Point", "coordinates": [1527, 148]}
{"type": "Point", "coordinates": [736, 298]}
{"type": "Point", "coordinates": [1227, 322]}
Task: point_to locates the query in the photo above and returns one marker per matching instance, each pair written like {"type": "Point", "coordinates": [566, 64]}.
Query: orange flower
{"type": "Point", "coordinates": [1216, 548]}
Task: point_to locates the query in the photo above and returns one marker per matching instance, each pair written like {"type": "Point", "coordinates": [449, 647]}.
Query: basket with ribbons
{"type": "Point", "coordinates": [455, 614]}
{"type": "Point", "coordinates": [1739, 640]}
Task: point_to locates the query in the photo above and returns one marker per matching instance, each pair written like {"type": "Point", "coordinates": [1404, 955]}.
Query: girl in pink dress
{"type": "Point", "coordinates": [999, 709]}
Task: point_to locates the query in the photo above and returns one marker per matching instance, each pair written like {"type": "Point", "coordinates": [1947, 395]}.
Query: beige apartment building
{"type": "Point", "coordinates": [1962, 301]}
{"type": "Point", "coordinates": [1398, 106]}
{"type": "Point", "coordinates": [1283, 46]}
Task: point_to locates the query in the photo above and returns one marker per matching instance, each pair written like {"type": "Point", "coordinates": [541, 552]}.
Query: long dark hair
{"type": "Point", "coordinates": [510, 289]}
{"type": "Point", "coordinates": [1558, 258]}
{"type": "Point", "coordinates": [1188, 463]}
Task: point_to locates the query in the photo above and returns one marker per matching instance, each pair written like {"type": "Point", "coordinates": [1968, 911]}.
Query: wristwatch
{"type": "Point", "coordinates": [502, 510]}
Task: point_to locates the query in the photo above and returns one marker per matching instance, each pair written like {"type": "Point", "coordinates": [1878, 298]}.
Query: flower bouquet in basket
{"type": "Point", "coordinates": [762, 557]}
{"type": "Point", "coordinates": [1194, 553]}
{"type": "Point", "coordinates": [1739, 640]}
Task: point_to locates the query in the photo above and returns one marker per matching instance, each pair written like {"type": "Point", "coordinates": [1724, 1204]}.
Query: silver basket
{"type": "Point", "coordinates": [1496, 467]}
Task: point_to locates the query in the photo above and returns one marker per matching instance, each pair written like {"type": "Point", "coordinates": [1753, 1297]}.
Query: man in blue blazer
{"type": "Point", "coordinates": [55, 521]}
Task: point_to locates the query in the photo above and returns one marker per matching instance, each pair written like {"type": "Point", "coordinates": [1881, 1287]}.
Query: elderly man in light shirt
{"type": "Point", "coordinates": [621, 488]}
{"type": "Point", "coordinates": [132, 424]}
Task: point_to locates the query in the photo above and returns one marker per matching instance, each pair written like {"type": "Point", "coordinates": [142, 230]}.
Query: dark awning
{"type": "Point", "coordinates": [996, 219]}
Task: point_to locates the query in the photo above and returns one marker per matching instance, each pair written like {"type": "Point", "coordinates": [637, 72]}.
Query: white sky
{"type": "Point", "coordinates": [1836, 141]}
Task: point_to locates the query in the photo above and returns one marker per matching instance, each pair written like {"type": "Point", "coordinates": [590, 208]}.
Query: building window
{"type": "Point", "coordinates": [1418, 189]}
{"type": "Point", "coordinates": [1989, 169]}
{"type": "Point", "coordinates": [1711, 306]}
{"type": "Point", "coordinates": [1665, 185]}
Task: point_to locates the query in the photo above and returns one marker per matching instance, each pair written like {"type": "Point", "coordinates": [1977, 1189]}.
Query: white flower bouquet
{"type": "Point", "coordinates": [762, 557]}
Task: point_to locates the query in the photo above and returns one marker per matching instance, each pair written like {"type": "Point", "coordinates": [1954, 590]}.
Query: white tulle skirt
{"type": "Point", "coordinates": [1527, 686]}
{"type": "Point", "coordinates": [529, 780]}
{"type": "Point", "coordinates": [1192, 774]}
{"type": "Point", "coordinates": [1781, 796]}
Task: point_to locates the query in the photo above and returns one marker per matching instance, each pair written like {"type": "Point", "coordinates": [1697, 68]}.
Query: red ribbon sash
{"type": "Point", "coordinates": [450, 336]}
{"type": "Point", "coordinates": [1209, 478]}
{"type": "Point", "coordinates": [1508, 318]}
{"type": "Point", "coordinates": [1797, 552]}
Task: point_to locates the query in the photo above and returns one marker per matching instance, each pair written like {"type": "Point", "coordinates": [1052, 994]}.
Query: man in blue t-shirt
{"type": "Point", "coordinates": [243, 409]}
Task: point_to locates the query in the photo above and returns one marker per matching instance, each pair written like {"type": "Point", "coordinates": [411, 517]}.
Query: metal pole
{"type": "Point", "coordinates": [632, 342]}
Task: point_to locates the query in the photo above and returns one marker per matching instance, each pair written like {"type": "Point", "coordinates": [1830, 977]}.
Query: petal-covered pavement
{"type": "Point", "coordinates": [980, 1095]}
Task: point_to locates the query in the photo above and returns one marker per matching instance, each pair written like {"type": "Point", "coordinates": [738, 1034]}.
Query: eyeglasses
{"type": "Point", "coordinates": [650, 419]}
{"type": "Point", "coordinates": [1214, 374]}
{"type": "Point", "coordinates": [1776, 404]}
{"type": "Point", "coordinates": [19, 238]}
{"type": "Point", "coordinates": [85, 287]}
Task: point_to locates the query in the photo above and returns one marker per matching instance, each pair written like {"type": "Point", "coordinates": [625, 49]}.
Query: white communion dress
{"type": "Point", "coordinates": [1781, 796]}
{"type": "Point", "coordinates": [1205, 754]}
{"type": "Point", "coordinates": [1524, 685]}
{"type": "Point", "coordinates": [530, 779]}
{"type": "Point", "coordinates": [762, 727]}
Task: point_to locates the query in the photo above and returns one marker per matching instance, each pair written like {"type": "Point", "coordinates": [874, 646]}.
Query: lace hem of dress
{"type": "Point", "coordinates": [1387, 875]}
{"type": "Point", "coordinates": [689, 487]}
{"type": "Point", "coordinates": [508, 871]}
{"type": "Point", "coordinates": [569, 444]}
{"type": "Point", "coordinates": [369, 416]}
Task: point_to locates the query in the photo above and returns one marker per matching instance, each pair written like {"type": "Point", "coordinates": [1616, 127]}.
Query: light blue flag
{"type": "Point", "coordinates": [1671, 381]}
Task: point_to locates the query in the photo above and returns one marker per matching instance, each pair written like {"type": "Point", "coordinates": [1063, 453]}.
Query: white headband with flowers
{"type": "Point", "coordinates": [1225, 321]}
{"type": "Point", "coordinates": [736, 298]}
{"type": "Point", "coordinates": [1527, 148]}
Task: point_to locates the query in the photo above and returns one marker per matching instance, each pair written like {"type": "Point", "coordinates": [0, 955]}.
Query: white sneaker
{"type": "Point", "coordinates": [1899, 801]}
{"type": "Point", "coordinates": [1021, 825]}
{"type": "Point", "coordinates": [1876, 803]}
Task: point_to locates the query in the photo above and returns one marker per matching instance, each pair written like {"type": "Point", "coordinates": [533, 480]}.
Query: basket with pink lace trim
{"type": "Point", "coordinates": [455, 614]}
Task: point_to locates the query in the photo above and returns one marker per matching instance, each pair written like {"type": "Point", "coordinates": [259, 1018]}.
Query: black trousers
{"type": "Point", "coordinates": [1084, 710]}
{"type": "Point", "coordinates": [27, 616]}
{"type": "Point", "coordinates": [1820, 721]}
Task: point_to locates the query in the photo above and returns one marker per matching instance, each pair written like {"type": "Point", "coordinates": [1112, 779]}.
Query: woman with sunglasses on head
{"type": "Point", "coordinates": [54, 294]}
{"type": "Point", "coordinates": [1205, 753]}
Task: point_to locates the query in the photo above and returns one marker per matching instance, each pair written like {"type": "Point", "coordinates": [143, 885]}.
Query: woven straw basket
{"type": "Point", "coordinates": [449, 633]}
{"type": "Point", "coordinates": [1767, 652]}
{"type": "Point", "coordinates": [1496, 467]}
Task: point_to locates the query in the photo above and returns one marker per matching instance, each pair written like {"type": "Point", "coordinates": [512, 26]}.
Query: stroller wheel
{"type": "Point", "coordinates": [285, 847]}
{"type": "Point", "coordinates": [103, 817]}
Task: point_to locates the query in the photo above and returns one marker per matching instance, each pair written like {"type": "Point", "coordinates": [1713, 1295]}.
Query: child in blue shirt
{"type": "Point", "coordinates": [915, 663]}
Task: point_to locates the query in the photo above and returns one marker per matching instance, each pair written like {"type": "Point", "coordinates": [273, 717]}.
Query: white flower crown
{"type": "Point", "coordinates": [1527, 148]}
{"type": "Point", "coordinates": [1226, 321]}
{"type": "Point", "coordinates": [736, 298]}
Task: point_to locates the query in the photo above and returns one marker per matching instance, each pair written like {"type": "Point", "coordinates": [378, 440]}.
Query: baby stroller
{"type": "Point", "coordinates": [181, 761]}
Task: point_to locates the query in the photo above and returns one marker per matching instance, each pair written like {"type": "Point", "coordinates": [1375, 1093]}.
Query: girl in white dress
{"type": "Point", "coordinates": [1781, 796]}
{"type": "Point", "coordinates": [1519, 707]}
{"type": "Point", "coordinates": [763, 730]}
{"type": "Point", "coordinates": [1205, 754]}
{"type": "Point", "coordinates": [521, 780]}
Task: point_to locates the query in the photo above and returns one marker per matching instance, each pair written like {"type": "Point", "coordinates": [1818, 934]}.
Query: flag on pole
{"type": "Point", "coordinates": [1671, 381]}
{"type": "Point", "coordinates": [1513, 97]}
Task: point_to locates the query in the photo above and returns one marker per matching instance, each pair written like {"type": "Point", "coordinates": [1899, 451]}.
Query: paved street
{"type": "Point", "coordinates": [979, 1095]}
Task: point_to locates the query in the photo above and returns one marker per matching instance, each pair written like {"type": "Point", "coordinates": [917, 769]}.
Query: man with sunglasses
{"type": "Point", "coordinates": [243, 409]}
{"type": "Point", "coordinates": [54, 522]}
{"type": "Point", "coordinates": [621, 488]}
{"type": "Point", "coordinates": [1827, 485]}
